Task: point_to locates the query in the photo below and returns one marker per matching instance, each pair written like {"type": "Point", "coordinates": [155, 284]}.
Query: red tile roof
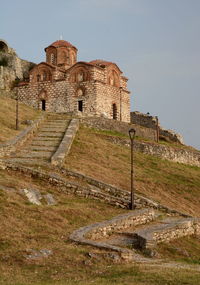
{"type": "Point", "coordinates": [61, 43]}
{"type": "Point", "coordinates": [101, 62]}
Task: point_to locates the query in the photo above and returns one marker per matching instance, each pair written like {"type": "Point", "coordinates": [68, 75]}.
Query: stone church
{"type": "Point", "coordinates": [61, 84]}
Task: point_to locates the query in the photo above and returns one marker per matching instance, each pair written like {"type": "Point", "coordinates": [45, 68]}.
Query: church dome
{"type": "Point", "coordinates": [61, 43]}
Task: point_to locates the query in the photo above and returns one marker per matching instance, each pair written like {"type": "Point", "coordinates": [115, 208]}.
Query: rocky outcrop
{"type": "Point", "coordinates": [11, 66]}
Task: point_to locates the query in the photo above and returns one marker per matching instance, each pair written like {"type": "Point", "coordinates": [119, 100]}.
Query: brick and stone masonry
{"type": "Point", "coordinates": [61, 84]}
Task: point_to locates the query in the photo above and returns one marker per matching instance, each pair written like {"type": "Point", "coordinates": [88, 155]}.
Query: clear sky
{"type": "Point", "coordinates": [156, 43]}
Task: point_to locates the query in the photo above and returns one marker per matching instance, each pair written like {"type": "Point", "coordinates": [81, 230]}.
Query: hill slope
{"type": "Point", "coordinates": [28, 229]}
{"type": "Point", "coordinates": [8, 117]}
{"type": "Point", "coordinates": [172, 184]}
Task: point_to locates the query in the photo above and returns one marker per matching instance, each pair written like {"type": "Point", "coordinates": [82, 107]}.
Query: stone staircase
{"type": "Point", "coordinates": [44, 144]}
{"type": "Point", "coordinates": [136, 233]}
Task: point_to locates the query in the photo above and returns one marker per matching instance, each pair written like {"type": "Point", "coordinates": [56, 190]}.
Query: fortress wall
{"type": "Point", "coordinates": [149, 121]}
{"type": "Point", "coordinates": [121, 127]}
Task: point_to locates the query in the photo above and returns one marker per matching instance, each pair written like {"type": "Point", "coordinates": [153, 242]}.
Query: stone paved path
{"type": "Point", "coordinates": [40, 149]}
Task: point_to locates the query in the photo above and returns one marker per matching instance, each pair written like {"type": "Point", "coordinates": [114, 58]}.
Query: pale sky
{"type": "Point", "coordinates": [156, 43]}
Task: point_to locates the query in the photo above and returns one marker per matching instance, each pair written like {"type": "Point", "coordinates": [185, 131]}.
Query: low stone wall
{"type": "Point", "coordinates": [19, 140]}
{"type": "Point", "coordinates": [92, 188]}
{"type": "Point", "coordinates": [121, 222]}
{"type": "Point", "coordinates": [65, 145]}
{"type": "Point", "coordinates": [169, 230]}
{"type": "Point", "coordinates": [121, 127]}
{"type": "Point", "coordinates": [177, 155]}
{"type": "Point", "coordinates": [185, 156]}
{"type": "Point", "coordinates": [104, 229]}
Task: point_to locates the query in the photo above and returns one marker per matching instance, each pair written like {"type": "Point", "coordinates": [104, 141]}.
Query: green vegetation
{"type": "Point", "coordinates": [3, 61]}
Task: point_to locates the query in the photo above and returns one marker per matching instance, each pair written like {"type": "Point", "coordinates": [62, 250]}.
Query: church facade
{"type": "Point", "coordinates": [61, 84]}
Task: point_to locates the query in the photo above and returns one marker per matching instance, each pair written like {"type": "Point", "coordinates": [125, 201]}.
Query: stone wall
{"type": "Point", "coordinates": [19, 140]}
{"type": "Point", "coordinates": [149, 121]}
{"type": "Point", "coordinates": [107, 96]}
{"type": "Point", "coordinates": [88, 187]}
{"type": "Point", "coordinates": [148, 237]}
{"type": "Point", "coordinates": [144, 120]}
{"type": "Point", "coordinates": [66, 143]}
{"type": "Point", "coordinates": [90, 234]}
{"type": "Point", "coordinates": [185, 156]}
{"type": "Point", "coordinates": [94, 88]}
{"type": "Point", "coordinates": [119, 223]}
{"type": "Point", "coordinates": [62, 96]}
{"type": "Point", "coordinates": [121, 127]}
{"type": "Point", "coordinates": [175, 154]}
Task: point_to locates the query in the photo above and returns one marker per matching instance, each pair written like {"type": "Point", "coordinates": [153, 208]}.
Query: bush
{"type": "Point", "coordinates": [3, 61]}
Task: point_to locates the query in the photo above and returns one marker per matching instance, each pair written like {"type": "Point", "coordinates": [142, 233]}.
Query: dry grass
{"type": "Point", "coordinates": [186, 249]}
{"type": "Point", "coordinates": [25, 226]}
{"type": "Point", "coordinates": [7, 117]}
{"type": "Point", "coordinates": [172, 184]}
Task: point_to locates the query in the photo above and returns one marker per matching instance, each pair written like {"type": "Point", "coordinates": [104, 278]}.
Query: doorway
{"type": "Point", "coordinates": [114, 109]}
{"type": "Point", "coordinates": [80, 105]}
{"type": "Point", "coordinates": [43, 105]}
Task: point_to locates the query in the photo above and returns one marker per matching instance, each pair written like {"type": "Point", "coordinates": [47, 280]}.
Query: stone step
{"type": "Point", "coordinates": [31, 162]}
{"type": "Point", "coordinates": [51, 134]}
{"type": "Point", "coordinates": [57, 121]}
{"type": "Point", "coordinates": [53, 129]}
{"type": "Point", "coordinates": [35, 154]}
{"type": "Point", "coordinates": [64, 126]}
{"type": "Point", "coordinates": [41, 148]}
{"type": "Point", "coordinates": [53, 143]}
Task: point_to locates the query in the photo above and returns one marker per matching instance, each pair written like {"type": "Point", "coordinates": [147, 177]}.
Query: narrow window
{"type": "Point", "coordinates": [44, 76]}
{"type": "Point", "coordinates": [80, 106]}
{"type": "Point", "coordinates": [38, 78]}
{"type": "Point", "coordinates": [43, 105]}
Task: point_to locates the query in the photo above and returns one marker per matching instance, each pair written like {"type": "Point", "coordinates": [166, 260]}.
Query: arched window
{"type": "Point", "coordinates": [44, 76]}
{"type": "Point", "coordinates": [63, 56]}
{"type": "Point", "coordinates": [73, 59]}
{"type": "Point", "coordinates": [114, 111]}
{"type": "Point", "coordinates": [38, 77]}
{"type": "Point", "coordinates": [113, 78]}
{"type": "Point", "coordinates": [111, 81]}
{"type": "Point", "coordinates": [80, 92]}
{"type": "Point", "coordinates": [80, 76]}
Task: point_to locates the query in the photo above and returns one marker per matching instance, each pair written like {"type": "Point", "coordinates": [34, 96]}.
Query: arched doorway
{"type": "Point", "coordinates": [114, 111]}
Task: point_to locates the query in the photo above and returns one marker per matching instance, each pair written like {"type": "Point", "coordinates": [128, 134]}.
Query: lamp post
{"type": "Point", "coordinates": [17, 104]}
{"type": "Point", "coordinates": [157, 130]}
{"type": "Point", "coordinates": [132, 137]}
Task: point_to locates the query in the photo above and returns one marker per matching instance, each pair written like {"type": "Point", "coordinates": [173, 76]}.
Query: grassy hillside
{"type": "Point", "coordinates": [172, 184]}
{"type": "Point", "coordinates": [8, 117]}
{"type": "Point", "coordinates": [25, 226]}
